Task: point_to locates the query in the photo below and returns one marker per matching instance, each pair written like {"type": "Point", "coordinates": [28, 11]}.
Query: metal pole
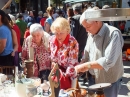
{"type": "Point", "coordinates": [56, 3]}
{"type": "Point", "coordinates": [19, 7]}
{"type": "Point", "coordinates": [29, 5]}
{"type": "Point", "coordinates": [48, 2]}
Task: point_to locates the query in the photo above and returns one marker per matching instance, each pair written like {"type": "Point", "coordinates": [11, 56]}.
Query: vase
{"type": "Point", "coordinates": [20, 89]}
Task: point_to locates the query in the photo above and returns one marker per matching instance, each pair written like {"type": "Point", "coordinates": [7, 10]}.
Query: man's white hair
{"type": "Point", "coordinates": [83, 16]}
{"type": "Point", "coordinates": [40, 13]}
{"type": "Point", "coordinates": [36, 28]}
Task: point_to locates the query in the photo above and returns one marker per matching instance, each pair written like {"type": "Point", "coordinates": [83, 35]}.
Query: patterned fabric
{"type": "Point", "coordinates": [41, 56]}
{"type": "Point", "coordinates": [67, 55]}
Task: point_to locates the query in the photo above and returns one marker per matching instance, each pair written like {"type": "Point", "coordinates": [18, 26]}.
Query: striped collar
{"type": "Point", "coordinates": [102, 30]}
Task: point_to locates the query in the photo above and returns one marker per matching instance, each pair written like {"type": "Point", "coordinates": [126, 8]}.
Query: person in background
{"type": "Point", "coordinates": [25, 15]}
{"type": "Point", "coordinates": [64, 51]}
{"type": "Point", "coordinates": [30, 18]}
{"type": "Point", "coordinates": [102, 55]}
{"type": "Point", "coordinates": [42, 21]}
{"type": "Point", "coordinates": [14, 36]}
{"type": "Point", "coordinates": [78, 31]}
{"type": "Point", "coordinates": [56, 14]}
{"type": "Point", "coordinates": [6, 41]}
{"type": "Point", "coordinates": [27, 32]}
{"type": "Point", "coordinates": [17, 30]}
{"type": "Point", "coordinates": [22, 26]}
{"type": "Point", "coordinates": [49, 20]}
{"type": "Point", "coordinates": [60, 13]}
{"type": "Point", "coordinates": [70, 12]}
{"type": "Point", "coordinates": [36, 48]}
{"type": "Point", "coordinates": [122, 26]}
{"type": "Point", "coordinates": [40, 16]}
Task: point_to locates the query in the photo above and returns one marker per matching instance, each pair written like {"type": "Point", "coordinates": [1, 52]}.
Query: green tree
{"type": "Point", "coordinates": [57, 2]}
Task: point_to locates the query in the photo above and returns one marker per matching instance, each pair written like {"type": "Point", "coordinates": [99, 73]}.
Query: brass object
{"type": "Point", "coordinates": [29, 67]}
{"type": "Point", "coordinates": [99, 89]}
{"type": "Point", "coordinates": [77, 92]}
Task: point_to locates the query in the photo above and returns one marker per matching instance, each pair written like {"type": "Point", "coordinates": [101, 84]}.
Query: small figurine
{"type": "Point", "coordinates": [54, 81]}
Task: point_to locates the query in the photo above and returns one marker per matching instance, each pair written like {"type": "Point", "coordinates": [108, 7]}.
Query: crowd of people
{"type": "Point", "coordinates": [73, 42]}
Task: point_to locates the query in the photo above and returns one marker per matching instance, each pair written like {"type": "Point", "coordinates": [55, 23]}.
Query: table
{"type": "Point", "coordinates": [10, 93]}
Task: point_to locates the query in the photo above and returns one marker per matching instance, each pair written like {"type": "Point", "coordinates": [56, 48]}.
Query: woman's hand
{"type": "Point", "coordinates": [52, 64]}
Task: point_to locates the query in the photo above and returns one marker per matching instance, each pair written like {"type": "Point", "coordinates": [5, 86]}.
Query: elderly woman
{"type": "Point", "coordinates": [64, 50]}
{"type": "Point", "coordinates": [36, 48]}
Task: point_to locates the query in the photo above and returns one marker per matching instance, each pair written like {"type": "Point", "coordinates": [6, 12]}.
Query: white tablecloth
{"type": "Point", "coordinates": [10, 92]}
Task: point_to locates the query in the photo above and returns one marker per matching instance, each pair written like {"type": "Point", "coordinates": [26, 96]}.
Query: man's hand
{"type": "Point", "coordinates": [81, 68]}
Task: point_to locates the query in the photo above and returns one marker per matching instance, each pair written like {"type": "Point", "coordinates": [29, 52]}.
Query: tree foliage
{"type": "Point", "coordinates": [57, 1]}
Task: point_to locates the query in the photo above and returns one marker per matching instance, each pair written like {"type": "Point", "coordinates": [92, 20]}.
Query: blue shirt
{"type": "Point", "coordinates": [30, 19]}
{"type": "Point", "coordinates": [5, 33]}
{"type": "Point", "coordinates": [49, 20]}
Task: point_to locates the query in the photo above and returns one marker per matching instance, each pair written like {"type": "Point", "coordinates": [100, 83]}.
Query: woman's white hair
{"type": "Point", "coordinates": [36, 28]}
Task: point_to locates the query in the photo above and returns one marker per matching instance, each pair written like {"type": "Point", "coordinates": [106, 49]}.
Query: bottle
{"type": "Point", "coordinates": [114, 4]}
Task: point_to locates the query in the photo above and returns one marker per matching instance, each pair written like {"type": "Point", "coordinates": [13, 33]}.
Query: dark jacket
{"type": "Point", "coordinates": [78, 31]}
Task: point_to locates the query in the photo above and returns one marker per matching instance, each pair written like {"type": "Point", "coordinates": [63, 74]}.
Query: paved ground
{"type": "Point", "coordinates": [126, 77]}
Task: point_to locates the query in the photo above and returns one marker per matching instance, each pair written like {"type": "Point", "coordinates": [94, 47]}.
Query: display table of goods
{"type": "Point", "coordinates": [29, 87]}
{"type": "Point", "coordinates": [22, 87]}
{"type": "Point", "coordinates": [32, 87]}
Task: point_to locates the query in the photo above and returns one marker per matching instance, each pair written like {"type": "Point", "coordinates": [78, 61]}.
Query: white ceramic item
{"type": "Point", "coordinates": [45, 86]}
{"type": "Point", "coordinates": [3, 77]}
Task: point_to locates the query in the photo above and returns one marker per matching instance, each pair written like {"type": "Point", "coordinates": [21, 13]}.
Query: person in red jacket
{"type": "Point", "coordinates": [42, 21]}
{"type": "Point", "coordinates": [27, 32]}
{"type": "Point", "coordinates": [17, 30]}
{"type": "Point", "coordinates": [122, 26]}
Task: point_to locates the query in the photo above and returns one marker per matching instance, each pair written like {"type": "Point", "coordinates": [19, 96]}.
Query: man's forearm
{"type": "Point", "coordinates": [92, 65]}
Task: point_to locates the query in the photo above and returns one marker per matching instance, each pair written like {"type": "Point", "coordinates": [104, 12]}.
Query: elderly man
{"type": "Point", "coordinates": [102, 55]}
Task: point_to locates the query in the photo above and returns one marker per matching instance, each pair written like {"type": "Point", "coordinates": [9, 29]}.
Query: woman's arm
{"type": "Point", "coordinates": [7, 4]}
{"type": "Point", "coordinates": [2, 45]}
{"type": "Point", "coordinates": [47, 27]}
{"type": "Point", "coordinates": [73, 59]}
{"type": "Point", "coordinates": [15, 42]}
